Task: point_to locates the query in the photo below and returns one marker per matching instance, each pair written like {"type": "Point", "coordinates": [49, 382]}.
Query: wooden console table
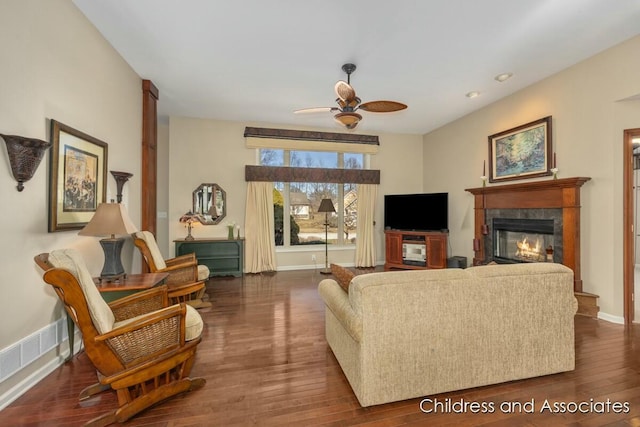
{"type": "Point", "coordinates": [224, 257]}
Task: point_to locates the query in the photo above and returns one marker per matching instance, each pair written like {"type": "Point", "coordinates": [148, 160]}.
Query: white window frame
{"type": "Point", "coordinates": [341, 244]}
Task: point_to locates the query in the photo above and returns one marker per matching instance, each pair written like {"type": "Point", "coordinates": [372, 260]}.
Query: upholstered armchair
{"type": "Point", "coordinates": [141, 347]}
{"type": "Point", "coordinates": [182, 270]}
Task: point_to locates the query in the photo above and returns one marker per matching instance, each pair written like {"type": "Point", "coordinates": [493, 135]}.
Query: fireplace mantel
{"type": "Point", "coordinates": [555, 193]}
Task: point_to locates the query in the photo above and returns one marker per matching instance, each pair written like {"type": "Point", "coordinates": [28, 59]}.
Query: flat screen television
{"type": "Point", "coordinates": [417, 212]}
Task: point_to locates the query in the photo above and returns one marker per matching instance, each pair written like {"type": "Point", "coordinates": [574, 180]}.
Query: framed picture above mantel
{"type": "Point", "coordinates": [78, 177]}
{"type": "Point", "coordinates": [521, 152]}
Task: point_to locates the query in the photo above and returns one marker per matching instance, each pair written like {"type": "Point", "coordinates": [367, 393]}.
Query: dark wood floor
{"type": "Point", "coordinates": [267, 363]}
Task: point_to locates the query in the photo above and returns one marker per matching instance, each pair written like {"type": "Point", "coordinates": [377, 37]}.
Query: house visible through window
{"type": "Point", "coordinates": [304, 225]}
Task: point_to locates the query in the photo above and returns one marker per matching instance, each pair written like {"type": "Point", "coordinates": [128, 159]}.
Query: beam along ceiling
{"type": "Point", "coordinates": [259, 60]}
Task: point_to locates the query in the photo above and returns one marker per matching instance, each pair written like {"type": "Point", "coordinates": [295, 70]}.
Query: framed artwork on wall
{"type": "Point", "coordinates": [78, 177]}
{"type": "Point", "coordinates": [521, 152]}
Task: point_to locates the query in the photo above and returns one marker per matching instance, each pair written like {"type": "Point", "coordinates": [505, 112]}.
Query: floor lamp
{"type": "Point", "coordinates": [326, 206]}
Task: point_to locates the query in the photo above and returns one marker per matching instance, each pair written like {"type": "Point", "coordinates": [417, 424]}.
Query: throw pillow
{"type": "Point", "coordinates": [342, 275]}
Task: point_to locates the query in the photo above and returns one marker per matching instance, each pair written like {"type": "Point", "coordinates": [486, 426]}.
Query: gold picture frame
{"type": "Point", "coordinates": [77, 177]}
{"type": "Point", "coordinates": [521, 152]}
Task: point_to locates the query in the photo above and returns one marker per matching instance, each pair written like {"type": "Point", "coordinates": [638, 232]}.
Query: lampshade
{"type": "Point", "coordinates": [326, 205]}
{"type": "Point", "coordinates": [189, 218]}
{"type": "Point", "coordinates": [348, 119]}
{"type": "Point", "coordinates": [110, 219]}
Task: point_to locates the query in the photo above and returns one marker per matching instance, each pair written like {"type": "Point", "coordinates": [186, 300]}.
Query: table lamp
{"type": "Point", "coordinates": [189, 218]}
{"type": "Point", "coordinates": [110, 219]}
{"type": "Point", "coordinates": [326, 206]}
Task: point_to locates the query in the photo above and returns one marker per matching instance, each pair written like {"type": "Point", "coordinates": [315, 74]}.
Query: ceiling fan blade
{"type": "Point", "coordinates": [317, 110]}
{"type": "Point", "coordinates": [382, 106]}
{"type": "Point", "coordinates": [344, 91]}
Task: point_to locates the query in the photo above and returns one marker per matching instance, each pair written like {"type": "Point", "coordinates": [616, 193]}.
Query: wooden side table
{"type": "Point", "coordinates": [112, 291]}
{"type": "Point", "coordinates": [131, 284]}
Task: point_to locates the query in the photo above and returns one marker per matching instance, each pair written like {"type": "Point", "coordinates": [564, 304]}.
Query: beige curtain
{"type": "Point", "coordinates": [260, 252]}
{"type": "Point", "coordinates": [365, 230]}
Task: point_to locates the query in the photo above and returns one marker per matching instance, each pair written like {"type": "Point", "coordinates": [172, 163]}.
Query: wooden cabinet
{"type": "Point", "coordinates": [411, 250]}
{"type": "Point", "coordinates": [224, 257]}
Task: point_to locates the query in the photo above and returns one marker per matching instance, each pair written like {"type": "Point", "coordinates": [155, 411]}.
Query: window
{"type": "Point", "coordinates": [304, 225]}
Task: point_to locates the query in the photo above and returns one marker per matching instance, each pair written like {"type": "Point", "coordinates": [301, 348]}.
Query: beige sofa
{"type": "Point", "coordinates": [405, 334]}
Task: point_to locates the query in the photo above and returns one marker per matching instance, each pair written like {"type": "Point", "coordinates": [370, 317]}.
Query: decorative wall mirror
{"type": "Point", "coordinates": [210, 203]}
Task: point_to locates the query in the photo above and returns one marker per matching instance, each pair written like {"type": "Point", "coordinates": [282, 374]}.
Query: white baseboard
{"type": "Point", "coordinates": [18, 356]}
{"type": "Point", "coordinates": [23, 386]}
{"type": "Point", "coordinates": [316, 266]}
{"type": "Point", "coordinates": [611, 318]}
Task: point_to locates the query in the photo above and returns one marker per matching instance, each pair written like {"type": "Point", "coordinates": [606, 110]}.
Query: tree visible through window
{"type": "Point", "coordinates": [305, 225]}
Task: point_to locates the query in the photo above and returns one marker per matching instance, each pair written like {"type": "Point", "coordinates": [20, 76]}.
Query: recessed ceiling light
{"type": "Point", "coordinates": [502, 77]}
{"type": "Point", "coordinates": [472, 94]}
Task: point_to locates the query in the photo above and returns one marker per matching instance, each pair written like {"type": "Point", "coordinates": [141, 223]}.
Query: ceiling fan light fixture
{"type": "Point", "coordinates": [348, 119]}
{"type": "Point", "coordinates": [348, 103]}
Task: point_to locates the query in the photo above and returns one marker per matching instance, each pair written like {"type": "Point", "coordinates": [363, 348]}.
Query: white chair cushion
{"type": "Point", "coordinates": [148, 238]}
{"type": "Point", "coordinates": [203, 272]}
{"type": "Point", "coordinates": [192, 323]}
{"type": "Point", "coordinates": [70, 260]}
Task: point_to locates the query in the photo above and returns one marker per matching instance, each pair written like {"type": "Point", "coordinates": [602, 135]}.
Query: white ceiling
{"type": "Point", "coordinates": [259, 60]}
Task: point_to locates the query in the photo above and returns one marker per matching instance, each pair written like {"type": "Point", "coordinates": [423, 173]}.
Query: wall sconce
{"type": "Point", "coordinates": [121, 178]}
{"type": "Point", "coordinates": [25, 155]}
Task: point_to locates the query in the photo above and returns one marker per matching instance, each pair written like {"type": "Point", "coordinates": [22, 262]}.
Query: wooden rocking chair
{"type": "Point", "coordinates": [141, 347]}
{"type": "Point", "coordinates": [182, 269]}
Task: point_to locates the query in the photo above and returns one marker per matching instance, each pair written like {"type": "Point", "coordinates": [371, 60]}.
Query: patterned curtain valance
{"type": "Point", "coordinates": [289, 139]}
{"type": "Point", "coordinates": [293, 174]}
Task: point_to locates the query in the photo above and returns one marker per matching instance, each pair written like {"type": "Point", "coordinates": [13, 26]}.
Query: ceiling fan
{"type": "Point", "coordinates": [349, 103]}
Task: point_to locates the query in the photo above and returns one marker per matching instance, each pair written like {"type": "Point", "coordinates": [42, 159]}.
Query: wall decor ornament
{"type": "Point", "coordinates": [78, 177]}
{"type": "Point", "coordinates": [121, 179]}
{"type": "Point", "coordinates": [25, 155]}
{"type": "Point", "coordinates": [521, 152]}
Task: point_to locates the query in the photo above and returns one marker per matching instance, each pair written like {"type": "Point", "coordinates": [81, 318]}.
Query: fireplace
{"type": "Point", "coordinates": [522, 240]}
{"type": "Point", "coordinates": [532, 200]}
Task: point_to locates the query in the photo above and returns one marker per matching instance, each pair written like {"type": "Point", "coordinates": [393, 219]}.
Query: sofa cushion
{"type": "Point", "coordinates": [343, 276]}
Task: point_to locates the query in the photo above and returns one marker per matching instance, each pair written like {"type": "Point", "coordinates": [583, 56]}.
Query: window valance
{"type": "Point", "coordinates": [293, 174]}
{"type": "Point", "coordinates": [288, 139]}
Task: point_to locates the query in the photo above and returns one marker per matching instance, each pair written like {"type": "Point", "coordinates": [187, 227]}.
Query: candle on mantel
{"type": "Point", "coordinates": [554, 159]}
{"type": "Point", "coordinates": [484, 164]}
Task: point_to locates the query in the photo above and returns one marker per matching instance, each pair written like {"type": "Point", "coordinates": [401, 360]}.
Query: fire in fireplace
{"type": "Point", "coordinates": [522, 240]}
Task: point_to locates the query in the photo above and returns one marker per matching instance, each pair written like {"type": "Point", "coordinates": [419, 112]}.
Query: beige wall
{"type": "Point", "coordinates": [589, 116]}
{"type": "Point", "coordinates": [214, 151]}
{"type": "Point", "coordinates": [55, 65]}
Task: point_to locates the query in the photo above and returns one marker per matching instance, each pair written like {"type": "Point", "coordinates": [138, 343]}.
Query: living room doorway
{"type": "Point", "coordinates": [631, 222]}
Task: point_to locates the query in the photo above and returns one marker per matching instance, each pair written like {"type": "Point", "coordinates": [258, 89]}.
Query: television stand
{"type": "Point", "coordinates": [415, 250]}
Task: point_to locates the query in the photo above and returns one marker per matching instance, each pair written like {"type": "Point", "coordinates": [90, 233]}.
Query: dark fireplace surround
{"type": "Point", "coordinates": [555, 199]}
{"type": "Point", "coordinates": [524, 222]}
